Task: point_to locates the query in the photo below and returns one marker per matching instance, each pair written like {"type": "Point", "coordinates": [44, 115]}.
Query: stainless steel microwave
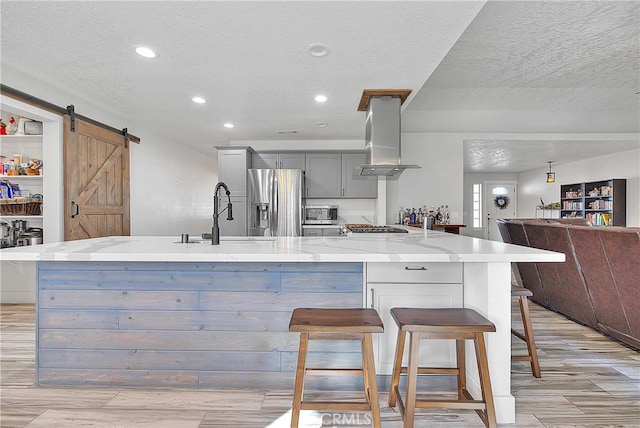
{"type": "Point", "coordinates": [321, 214]}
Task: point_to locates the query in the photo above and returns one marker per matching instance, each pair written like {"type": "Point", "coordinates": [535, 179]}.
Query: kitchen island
{"type": "Point", "coordinates": [151, 311]}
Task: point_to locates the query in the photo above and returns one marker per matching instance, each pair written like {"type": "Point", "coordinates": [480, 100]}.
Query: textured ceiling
{"type": "Point", "coordinates": [508, 61]}
{"type": "Point", "coordinates": [569, 66]}
{"type": "Point", "coordinates": [248, 59]}
{"type": "Point", "coordinates": [523, 155]}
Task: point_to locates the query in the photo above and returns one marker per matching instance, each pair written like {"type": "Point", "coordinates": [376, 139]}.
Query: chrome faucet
{"type": "Point", "coordinates": [215, 230]}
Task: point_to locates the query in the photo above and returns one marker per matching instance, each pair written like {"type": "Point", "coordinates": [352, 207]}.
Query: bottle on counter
{"type": "Point", "coordinates": [447, 216]}
{"type": "Point", "coordinates": [413, 217]}
{"type": "Point", "coordinates": [438, 216]}
{"type": "Point", "coordinates": [401, 215]}
{"type": "Point", "coordinates": [420, 215]}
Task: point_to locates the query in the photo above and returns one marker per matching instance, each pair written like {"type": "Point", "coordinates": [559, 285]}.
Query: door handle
{"type": "Point", "coordinates": [372, 298]}
{"type": "Point", "coordinates": [77, 209]}
{"type": "Point", "coordinates": [342, 192]}
{"type": "Point", "coordinates": [415, 268]}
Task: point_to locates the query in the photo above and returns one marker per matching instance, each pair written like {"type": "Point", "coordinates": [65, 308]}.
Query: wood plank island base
{"type": "Point", "coordinates": [151, 312]}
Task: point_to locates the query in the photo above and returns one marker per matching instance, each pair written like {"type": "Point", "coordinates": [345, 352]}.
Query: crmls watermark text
{"type": "Point", "coordinates": [348, 419]}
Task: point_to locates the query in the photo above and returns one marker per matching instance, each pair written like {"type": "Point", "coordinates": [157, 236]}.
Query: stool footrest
{"type": "Point", "coordinates": [434, 370]}
{"type": "Point", "coordinates": [335, 336]}
{"type": "Point", "coordinates": [334, 372]}
{"type": "Point", "coordinates": [450, 404]}
{"type": "Point", "coordinates": [520, 358]}
{"type": "Point", "coordinates": [335, 405]}
{"type": "Point", "coordinates": [519, 335]}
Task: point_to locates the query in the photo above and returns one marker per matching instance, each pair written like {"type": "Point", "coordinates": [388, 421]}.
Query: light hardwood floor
{"type": "Point", "coordinates": [587, 381]}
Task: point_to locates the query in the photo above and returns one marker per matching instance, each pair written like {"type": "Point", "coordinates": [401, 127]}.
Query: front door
{"type": "Point", "coordinates": [500, 202]}
{"type": "Point", "coordinates": [96, 182]}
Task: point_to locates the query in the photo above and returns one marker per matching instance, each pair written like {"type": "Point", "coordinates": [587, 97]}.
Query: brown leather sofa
{"type": "Point", "coordinates": [599, 283]}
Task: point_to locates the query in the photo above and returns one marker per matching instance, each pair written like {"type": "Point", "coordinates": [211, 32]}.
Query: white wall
{"type": "Point", "coordinates": [531, 184]}
{"type": "Point", "coordinates": [171, 184]}
{"type": "Point", "coordinates": [440, 180]}
{"type": "Point", "coordinates": [171, 188]}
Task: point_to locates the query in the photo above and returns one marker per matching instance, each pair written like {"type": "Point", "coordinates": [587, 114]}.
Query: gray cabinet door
{"type": "Point", "coordinates": [232, 170]}
{"type": "Point", "coordinates": [322, 175]}
{"type": "Point", "coordinates": [292, 161]}
{"type": "Point", "coordinates": [237, 226]}
{"type": "Point", "coordinates": [357, 186]}
{"type": "Point", "coordinates": [265, 161]}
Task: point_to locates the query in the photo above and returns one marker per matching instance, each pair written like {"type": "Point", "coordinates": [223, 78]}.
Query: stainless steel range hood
{"type": "Point", "coordinates": [382, 133]}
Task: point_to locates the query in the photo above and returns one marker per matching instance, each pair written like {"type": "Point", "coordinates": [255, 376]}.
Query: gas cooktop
{"type": "Point", "coordinates": [376, 229]}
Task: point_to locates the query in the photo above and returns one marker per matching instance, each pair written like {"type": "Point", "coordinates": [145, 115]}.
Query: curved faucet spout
{"type": "Point", "coordinates": [215, 230]}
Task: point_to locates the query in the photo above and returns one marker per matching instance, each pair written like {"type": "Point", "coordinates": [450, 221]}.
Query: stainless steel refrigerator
{"type": "Point", "coordinates": [275, 202]}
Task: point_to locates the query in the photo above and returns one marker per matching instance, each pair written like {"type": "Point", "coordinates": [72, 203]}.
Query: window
{"type": "Point", "coordinates": [477, 206]}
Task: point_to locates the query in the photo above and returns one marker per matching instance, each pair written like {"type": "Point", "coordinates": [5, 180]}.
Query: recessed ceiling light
{"type": "Point", "coordinates": [320, 98]}
{"type": "Point", "coordinates": [198, 100]}
{"type": "Point", "coordinates": [145, 52]}
{"type": "Point", "coordinates": [287, 131]}
{"type": "Point", "coordinates": [319, 49]}
{"type": "Point", "coordinates": [322, 124]}
{"type": "Point", "coordinates": [228, 125]}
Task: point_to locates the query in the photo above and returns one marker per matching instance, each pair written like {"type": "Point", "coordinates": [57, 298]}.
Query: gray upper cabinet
{"type": "Point", "coordinates": [232, 168]}
{"type": "Point", "coordinates": [292, 160]}
{"type": "Point", "coordinates": [279, 160]}
{"type": "Point", "coordinates": [357, 186]}
{"type": "Point", "coordinates": [264, 161]}
{"type": "Point", "coordinates": [323, 178]}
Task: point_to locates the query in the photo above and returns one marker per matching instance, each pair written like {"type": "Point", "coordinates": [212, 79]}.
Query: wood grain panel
{"type": "Point", "coordinates": [276, 301]}
{"type": "Point", "coordinates": [112, 299]}
{"type": "Point", "coordinates": [160, 280]}
{"type": "Point", "coordinates": [204, 320]}
{"type": "Point", "coordinates": [322, 282]}
{"type": "Point", "coordinates": [178, 317]}
{"type": "Point", "coordinates": [160, 360]}
{"type": "Point", "coordinates": [53, 318]}
{"type": "Point", "coordinates": [289, 360]}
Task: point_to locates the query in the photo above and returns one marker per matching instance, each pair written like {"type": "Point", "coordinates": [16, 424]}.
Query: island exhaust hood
{"type": "Point", "coordinates": [382, 132]}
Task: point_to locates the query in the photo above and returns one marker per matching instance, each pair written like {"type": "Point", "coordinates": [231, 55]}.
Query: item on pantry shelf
{"type": "Point", "coordinates": [3, 127]}
{"type": "Point", "coordinates": [33, 127]}
{"type": "Point", "coordinates": [12, 127]}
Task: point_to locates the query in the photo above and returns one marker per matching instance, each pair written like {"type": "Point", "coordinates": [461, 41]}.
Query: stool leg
{"type": "Point", "coordinates": [528, 334]}
{"type": "Point", "coordinates": [299, 385]}
{"type": "Point", "coordinates": [365, 371]}
{"type": "Point", "coordinates": [397, 364]}
{"type": "Point", "coordinates": [489, 416]}
{"type": "Point", "coordinates": [462, 369]}
{"type": "Point", "coordinates": [370, 379]}
{"type": "Point", "coordinates": [412, 379]}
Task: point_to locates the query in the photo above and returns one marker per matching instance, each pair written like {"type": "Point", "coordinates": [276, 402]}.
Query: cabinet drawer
{"type": "Point", "coordinates": [447, 273]}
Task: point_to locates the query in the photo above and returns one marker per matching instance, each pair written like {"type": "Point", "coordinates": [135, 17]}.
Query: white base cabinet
{"type": "Point", "coordinates": [423, 285]}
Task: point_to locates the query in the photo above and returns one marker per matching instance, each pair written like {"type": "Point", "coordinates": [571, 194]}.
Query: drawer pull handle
{"type": "Point", "coordinates": [372, 298]}
{"type": "Point", "coordinates": [415, 268]}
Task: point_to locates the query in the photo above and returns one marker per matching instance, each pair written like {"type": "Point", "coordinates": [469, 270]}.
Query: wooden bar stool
{"type": "Point", "coordinates": [532, 353]}
{"type": "Point", "coordinates": [455, 323]}
{"type": "Point", "coordinates": [337, 324]}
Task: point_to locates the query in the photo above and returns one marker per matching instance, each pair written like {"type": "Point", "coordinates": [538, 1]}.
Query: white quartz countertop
{"type": "Point", "coordinates": [416, 246]}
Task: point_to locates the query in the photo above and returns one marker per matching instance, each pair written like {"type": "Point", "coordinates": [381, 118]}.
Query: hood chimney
{"type": "Point", "coordinates": [382, 132]}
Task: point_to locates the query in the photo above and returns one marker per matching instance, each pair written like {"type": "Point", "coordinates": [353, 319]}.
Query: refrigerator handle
{"type": "Point", "coordinates": [273, 209]}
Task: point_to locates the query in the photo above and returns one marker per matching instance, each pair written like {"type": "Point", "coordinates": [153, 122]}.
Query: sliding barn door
{"type": "Point", "coordinates": [96, 182]}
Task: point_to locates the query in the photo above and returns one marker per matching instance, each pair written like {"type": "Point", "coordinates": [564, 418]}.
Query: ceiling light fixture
{"type": "Point", "coordinates": [198, 100]}
{"type": "Point", "coordinates": [145, 52]}
{"type": "Point", "coordinates": [228, 125]}
{"type": "Point", "coordinates": [320, 98]}
{"type": "Point", "coordinates": [322, 124]}
{"type": "Point", "coordinates": [551, 176]}
{"type": "Point", "coordinates": [319, 49]}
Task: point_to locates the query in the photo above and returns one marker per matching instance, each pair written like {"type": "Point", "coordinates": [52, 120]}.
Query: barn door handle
{"type": "Point", "coordinates": [77, 209]}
